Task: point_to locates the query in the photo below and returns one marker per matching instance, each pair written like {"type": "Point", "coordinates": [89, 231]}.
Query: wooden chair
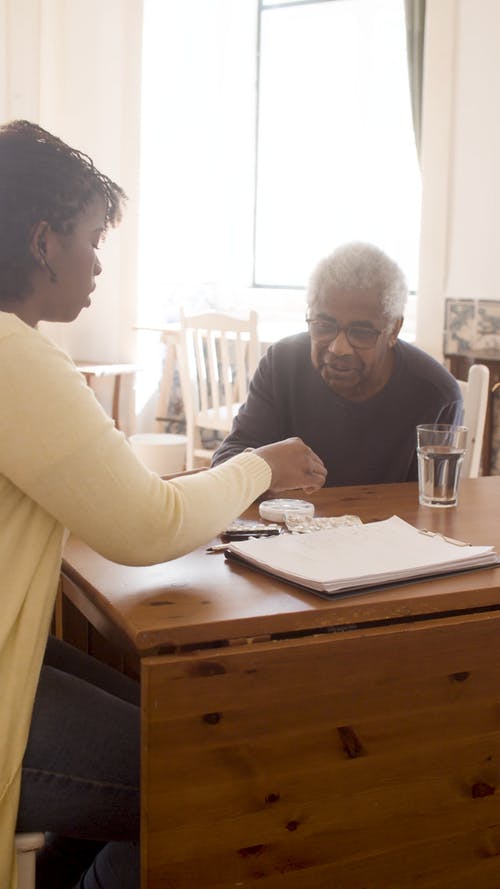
{"type": "Point", "coordinates": [26, 845]}
{"type": "Point", "coordinates": [218, 358]}
{"type": "Point", "coordinates": [475, 393]}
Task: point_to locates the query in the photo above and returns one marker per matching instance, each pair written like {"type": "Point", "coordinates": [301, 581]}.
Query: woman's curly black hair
{"type": "Point", "coordinates": [42, 178]}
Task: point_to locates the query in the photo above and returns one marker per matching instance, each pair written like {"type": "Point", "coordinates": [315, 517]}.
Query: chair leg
{"type": "Point", "coordinates": [26, 845]}
{"type": "Point", "coordinates": [193, 442]}
{"type": "Point", "coordinates": [189, 448]}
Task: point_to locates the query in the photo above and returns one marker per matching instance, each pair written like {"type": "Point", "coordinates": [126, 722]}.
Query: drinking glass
{"type": "Point", "coordinates": [440, 451]}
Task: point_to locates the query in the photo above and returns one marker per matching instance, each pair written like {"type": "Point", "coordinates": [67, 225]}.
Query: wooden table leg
{"type": "Point", "coordinates": [115, 411]}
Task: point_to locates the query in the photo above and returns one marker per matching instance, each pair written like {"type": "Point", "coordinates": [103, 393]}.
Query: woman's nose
{"type": "Point", "coordinates": [97, 267]}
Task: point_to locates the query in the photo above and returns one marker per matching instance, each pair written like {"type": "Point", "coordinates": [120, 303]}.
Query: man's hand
{"type": "Point", "coordinates": [293, 465]}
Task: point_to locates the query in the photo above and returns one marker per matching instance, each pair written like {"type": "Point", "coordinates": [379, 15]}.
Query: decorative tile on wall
{"type": "Point", "coordinates": [488, 325]}
{"type": "Point", "coordinates": [471, 326]}
{"type": "Point", "coordinates": [459, 325]}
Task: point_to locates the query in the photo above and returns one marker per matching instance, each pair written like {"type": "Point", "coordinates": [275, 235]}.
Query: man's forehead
{"type": "Point", "coordinates": [332, 298]}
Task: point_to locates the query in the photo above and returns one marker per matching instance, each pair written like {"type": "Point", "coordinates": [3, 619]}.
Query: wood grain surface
{"type": "Point", "coordinates": [365, 760]}
{"type": "Point", "coordinates": [201, 599]}
{"type": "Point", "coordinates": [294, 743]}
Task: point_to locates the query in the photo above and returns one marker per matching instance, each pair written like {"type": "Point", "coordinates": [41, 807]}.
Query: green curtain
{"type": "Point", "coordinates": [415, 28]}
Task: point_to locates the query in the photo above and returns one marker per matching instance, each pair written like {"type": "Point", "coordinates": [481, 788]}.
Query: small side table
{"type": "Point", "coordinates": [459, 364]}
{"type": "Point", "coordinates": [91, 370]}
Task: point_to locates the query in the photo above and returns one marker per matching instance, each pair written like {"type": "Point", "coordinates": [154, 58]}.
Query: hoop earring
{"type": "Point", "coordinates": [51, 272]}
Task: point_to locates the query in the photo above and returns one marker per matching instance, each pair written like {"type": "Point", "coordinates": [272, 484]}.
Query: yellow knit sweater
{"type": "Point", "coordinates": [63, 465]}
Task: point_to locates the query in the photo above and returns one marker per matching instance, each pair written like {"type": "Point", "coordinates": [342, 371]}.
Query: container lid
{"type": "Point", "coordinates": [276, 510]}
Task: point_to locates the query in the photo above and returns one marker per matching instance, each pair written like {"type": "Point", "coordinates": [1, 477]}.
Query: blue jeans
{"type": "Point", "coordinates": [80, 780]}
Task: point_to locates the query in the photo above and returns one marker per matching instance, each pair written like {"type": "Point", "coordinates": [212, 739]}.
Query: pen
{"type": "Point", "coordinates": [235, 537]}
{"type": "Point", "coordinates": [217, 548]}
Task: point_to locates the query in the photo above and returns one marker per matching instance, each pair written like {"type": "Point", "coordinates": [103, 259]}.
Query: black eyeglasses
{"type": "Point", "coordinates": [358, 336]}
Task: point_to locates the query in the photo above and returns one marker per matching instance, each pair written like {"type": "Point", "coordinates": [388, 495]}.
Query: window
{"type": "Point", "coordinates": [272, 131]}
{"type": "Point", "coordinates": [336, 156]}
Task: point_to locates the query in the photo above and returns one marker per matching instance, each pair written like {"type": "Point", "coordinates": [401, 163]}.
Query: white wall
{"type": "Point", "coordinates": [460, 249]}
{"type": "Point", "coordinates": [74, 66]}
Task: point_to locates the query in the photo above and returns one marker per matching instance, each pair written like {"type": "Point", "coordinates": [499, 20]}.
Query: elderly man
{"type": "Point", "coordinates": [349, 387]}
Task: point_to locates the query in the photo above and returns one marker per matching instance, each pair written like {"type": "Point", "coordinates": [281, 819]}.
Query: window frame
{"type": "Point", "coordinates": [262, 8]}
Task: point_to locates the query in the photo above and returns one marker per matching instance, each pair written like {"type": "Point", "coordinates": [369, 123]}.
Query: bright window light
{"type": "Point", "coordinates": [336, 152]}
{"type": "Point", "coordinates": [271, 132]}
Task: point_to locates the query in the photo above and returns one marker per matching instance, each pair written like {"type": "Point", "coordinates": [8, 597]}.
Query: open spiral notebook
{"type": "Point", "coordinates": [336, 561]}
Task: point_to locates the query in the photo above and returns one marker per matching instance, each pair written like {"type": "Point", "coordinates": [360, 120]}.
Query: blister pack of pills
{"type": "Point", "coordinates": [243, 529]}
{"type": "Point", "coordinates": [306, 524]}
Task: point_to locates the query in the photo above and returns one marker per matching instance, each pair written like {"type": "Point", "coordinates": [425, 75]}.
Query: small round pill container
{"type": "Point", "coordinates": [278, 510]}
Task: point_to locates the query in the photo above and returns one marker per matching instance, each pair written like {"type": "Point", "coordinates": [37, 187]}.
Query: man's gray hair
{"type": "Point", "coordinates": [362, 266]}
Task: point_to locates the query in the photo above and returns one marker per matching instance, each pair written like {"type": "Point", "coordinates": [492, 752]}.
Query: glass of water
{"type": "Point", "coordinates": [440, 451]}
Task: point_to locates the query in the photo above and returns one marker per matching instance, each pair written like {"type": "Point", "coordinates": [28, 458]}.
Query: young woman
{"type": "Point", "coordinates": [69, 744]}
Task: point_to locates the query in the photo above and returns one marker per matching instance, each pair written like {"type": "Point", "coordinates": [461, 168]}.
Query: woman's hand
{"type": "Point", "coordinates": [293, 465]}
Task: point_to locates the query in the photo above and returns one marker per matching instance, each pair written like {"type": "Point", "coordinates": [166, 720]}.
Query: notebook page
{"type": "Point", "coordinates": [347, 557]}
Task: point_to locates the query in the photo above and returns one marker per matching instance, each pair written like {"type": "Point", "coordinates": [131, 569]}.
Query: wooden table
{"type": "Point", "coordinates": [291, 742]}
{"type": "Point", "coordinates": [92, 370]}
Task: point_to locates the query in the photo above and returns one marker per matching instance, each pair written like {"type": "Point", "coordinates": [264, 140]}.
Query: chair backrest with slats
{"type": "Point", "coordinates": [475, 393]}
{"type": "Point", "coordinates": [220, 354]}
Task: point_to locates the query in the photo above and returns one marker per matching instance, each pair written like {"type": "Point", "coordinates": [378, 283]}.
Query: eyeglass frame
{"type": "Point", "coordinates": [345, 330]}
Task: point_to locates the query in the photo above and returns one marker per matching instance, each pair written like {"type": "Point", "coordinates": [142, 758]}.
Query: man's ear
{"type": "Point", "coordinates": [395, 332]}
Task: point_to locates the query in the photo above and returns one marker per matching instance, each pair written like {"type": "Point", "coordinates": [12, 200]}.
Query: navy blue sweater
{"type": "Point", "coordinates": [365, 442]}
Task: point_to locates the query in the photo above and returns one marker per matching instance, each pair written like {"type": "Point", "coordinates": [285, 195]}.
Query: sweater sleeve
{"type": "Point", "coordinates": [453, 412]}
{"type": "Point", "coordinates": [257, 421]}
{"type": "Point", "coordinates": [60, 449]}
